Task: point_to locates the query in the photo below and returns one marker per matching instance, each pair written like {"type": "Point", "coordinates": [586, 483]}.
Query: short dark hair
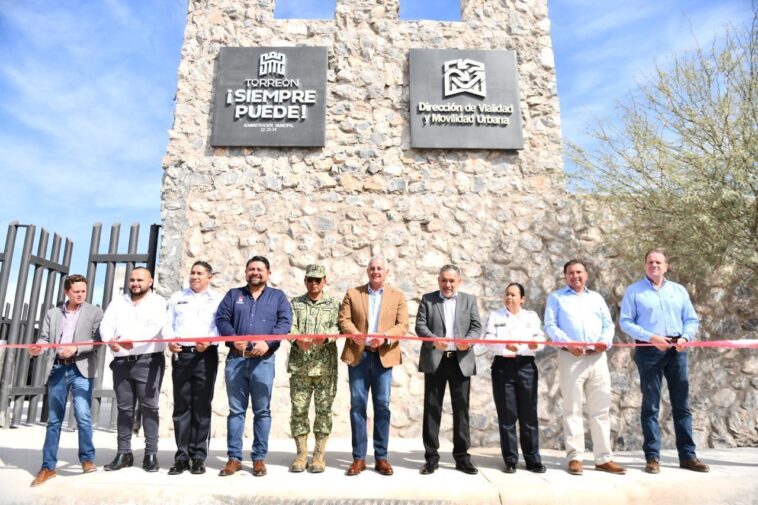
{"type": "Point", "coordinates": [519, 286]}
{"type": "Point", "coordinates": [450, 268]}
{"type": "Point", "coordinates": [142, 268]}
{"type": "Point", "coordinates": [70, 280]}
{"type": "Point", "coordinates": [208, 268]}
{"type": "Point", "coordinates": [573, 262]}
{"type": "Point", "coordinates": [262, 259]}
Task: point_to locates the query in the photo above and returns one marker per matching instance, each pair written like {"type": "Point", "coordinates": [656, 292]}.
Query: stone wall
{"type": "Point", "coordinates": [501, 215]}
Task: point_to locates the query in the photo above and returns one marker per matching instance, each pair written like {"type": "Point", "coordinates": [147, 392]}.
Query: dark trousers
{"type": "Point", "coordinates": [448, 372]}
{"type": "Point", "coordinates": [514, 388]}
{"type": "Point", "coordinates": [653, 365]}
{"type": "Point", "coordinates": [138, 380]}
{"type": "Point", "coordinates": [194, 377]}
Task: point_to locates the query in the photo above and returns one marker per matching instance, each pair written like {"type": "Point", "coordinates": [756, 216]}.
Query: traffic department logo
{"type": "Point", "coordinates": [464, 76]}
{"type": "Point", "coordinates": [450, 105]}
{"type": "Point", "coordinates": [272, 63]}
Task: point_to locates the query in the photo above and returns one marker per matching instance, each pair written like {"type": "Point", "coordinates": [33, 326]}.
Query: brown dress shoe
{"type": "Point", "coordinates": [383, 467]}
{"type": "Point", "coordinates": [43, 476]}
{"type": "Point", "coordinates": [695, 465]}
{"type": "Point", "coordinates": [575, 467]}
{"type": "Point", "coordinates": [259, 468]}
{"type": "Point", "coordinates": [89, 467]}
{"type": "Point", "coordinates": [652, 466]}
{"type": "Point", "coordinates": [232, 466]}
{"type": "Point", "coordinates": [356, 467]}
{"type": "Point", "coordinates": [611, 467]}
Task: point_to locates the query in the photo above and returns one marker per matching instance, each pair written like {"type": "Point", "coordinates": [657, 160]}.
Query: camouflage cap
{"type": "Point", "coordinates": [314, 270]}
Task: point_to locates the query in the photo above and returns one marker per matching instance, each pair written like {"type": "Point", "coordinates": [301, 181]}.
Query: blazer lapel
{"type": "Point", "coordinates": [79, 321]}
{"type": "Point", "coordinates": [438, 305]}
{"type": "Point", "coordinates": [459, 308]}
{"type": "Point", "coordinates": [364, 304]}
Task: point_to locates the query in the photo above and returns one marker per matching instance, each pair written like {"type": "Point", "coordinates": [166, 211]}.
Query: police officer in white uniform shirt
{"type": "Point", "coordinates": [192, 313]}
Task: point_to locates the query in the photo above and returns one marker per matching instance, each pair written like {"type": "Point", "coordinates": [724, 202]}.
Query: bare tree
{"type": "Point", "coordinates": [680, 167]}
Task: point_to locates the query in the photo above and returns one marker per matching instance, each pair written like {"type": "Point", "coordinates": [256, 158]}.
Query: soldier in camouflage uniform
{"type": "Point", "coordinates": [313, 368]}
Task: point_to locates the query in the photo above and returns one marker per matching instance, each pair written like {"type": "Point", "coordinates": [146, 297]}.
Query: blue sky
{"type": "Point", "coordinates": [86, 91]}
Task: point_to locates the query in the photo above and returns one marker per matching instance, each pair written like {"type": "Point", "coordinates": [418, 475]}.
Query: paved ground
{"type": "Point", "coordinates": [733, 478]}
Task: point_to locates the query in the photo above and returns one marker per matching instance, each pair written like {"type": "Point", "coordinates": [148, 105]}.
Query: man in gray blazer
{"type": "Point", "coordinates": [450, 314]}
{"type": "Point", "coordinates": [69, 367]}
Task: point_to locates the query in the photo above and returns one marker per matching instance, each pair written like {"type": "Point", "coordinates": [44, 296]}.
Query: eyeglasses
{"type": "Point", "coordinates": [317, 280]}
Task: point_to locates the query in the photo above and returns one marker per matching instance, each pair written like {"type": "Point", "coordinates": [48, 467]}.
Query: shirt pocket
{"type": "Point", "coordinates": [183, 313]}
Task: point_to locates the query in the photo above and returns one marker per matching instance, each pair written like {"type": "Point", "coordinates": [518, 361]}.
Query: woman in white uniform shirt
{"type": "Point", "coordinates": [514, 378]}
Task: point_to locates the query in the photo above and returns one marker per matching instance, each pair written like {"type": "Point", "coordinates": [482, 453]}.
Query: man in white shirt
{"type": "Point", "coordinates": [192, 313]}
{"type": "Point", "coordinates": [137, 367]}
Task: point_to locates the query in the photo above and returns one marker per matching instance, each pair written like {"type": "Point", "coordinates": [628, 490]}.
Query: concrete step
{"type": "Point", "coordinates": [733, 478]}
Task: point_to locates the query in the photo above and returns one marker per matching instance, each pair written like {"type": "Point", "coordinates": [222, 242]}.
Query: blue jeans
{"type": "Point", "coordinates": [369, 373]}
{"type": "Point", "coordinates": [62, 379]}
{"type": "Point", "coordinates": [653, 365]}
{"type": "Point", "coordinates": [248, 378]}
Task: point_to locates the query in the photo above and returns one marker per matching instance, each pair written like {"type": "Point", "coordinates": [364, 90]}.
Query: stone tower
{"type": "Point", "coordinates": [366, 191]}
{"type": "Point", "coordinates": [501, 215]}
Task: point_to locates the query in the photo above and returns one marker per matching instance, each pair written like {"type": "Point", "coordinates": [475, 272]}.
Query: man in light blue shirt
{"type": "Point", "coordinates": [576, 314]}
{"type": "Point", "coordinates": [659, 312]}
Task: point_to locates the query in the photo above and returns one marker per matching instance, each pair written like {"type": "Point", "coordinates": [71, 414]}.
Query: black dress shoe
{"type": "Point", "coordinates": [536, 467]}
{"type": "Point", "coordinates": [150, 463]}
{"type": "Point", "coordinates": [466, 467]}
{"type": "Point", "coordinates": [198, 466]}
{"type": "Point", "coordinates": [510, 468]}
{"type": "Point", "coordinates": [120, 461]}
{"type": "Point", "coordinates": [179, 467]}
{"type": "Point", "coordinates": [429, 468]}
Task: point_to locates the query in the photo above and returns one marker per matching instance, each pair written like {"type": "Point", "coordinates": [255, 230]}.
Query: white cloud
{"type": "Point", "coordinates": [603, 51]}
{"type": "Point", "coordinates": [603, 20]}
{"type": "Point", "coordinates": [87, 102]}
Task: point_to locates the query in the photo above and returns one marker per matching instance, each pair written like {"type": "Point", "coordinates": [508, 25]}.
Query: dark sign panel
{"type": "Point", "coordinates": [462, 99]}
{"type": "Point", "coordinates": [270, 97]}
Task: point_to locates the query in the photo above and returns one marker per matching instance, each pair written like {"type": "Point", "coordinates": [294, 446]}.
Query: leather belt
{"type": "Point", "coordinates": [674, 339]}
{"type": "Point", "coordinates": [517, 357]}
{"type": "Point", "coordinates": [242, 354]}
{"type": "Point", "coordinates": [137, 357]}
{"type": "Point", "coordinates": [191, 349]}
{"type": "Point", "coordinates": [64, 361]}
{"type": "Point", "coordinates": [585, 352]}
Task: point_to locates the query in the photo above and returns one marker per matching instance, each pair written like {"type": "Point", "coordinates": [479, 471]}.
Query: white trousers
{"type": "Point", "coordinates": [586, 374]}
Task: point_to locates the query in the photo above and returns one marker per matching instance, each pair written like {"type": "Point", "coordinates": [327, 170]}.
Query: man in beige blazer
{"type": "Point", "coordinates": [372, 313]}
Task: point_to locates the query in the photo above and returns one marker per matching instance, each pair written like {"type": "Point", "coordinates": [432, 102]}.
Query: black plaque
{"type": "Point", "coordinates": [270, 97]}
{"type": "Point", "coordinates": [464, 99]}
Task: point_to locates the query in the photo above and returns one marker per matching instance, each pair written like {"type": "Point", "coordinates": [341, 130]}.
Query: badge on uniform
{"type": "Point", "coordinates": [240, 300]}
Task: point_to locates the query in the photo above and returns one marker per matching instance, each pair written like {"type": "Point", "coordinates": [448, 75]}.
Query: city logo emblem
{"type": "Point", "coordinates": [272, 63]}
{"type": "Point", "coordinates": [464, 76]}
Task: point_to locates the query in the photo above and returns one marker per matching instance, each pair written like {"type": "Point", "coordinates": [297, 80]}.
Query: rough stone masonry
{"type": "Point", "coordinates": [501, 215]}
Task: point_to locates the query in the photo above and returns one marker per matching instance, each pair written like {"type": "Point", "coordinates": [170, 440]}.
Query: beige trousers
{"type": "Point", "coordinates": [589, 375]}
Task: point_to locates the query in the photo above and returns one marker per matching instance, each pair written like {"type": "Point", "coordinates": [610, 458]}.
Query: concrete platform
{"type": "Point", "coordinates": [733, 478]}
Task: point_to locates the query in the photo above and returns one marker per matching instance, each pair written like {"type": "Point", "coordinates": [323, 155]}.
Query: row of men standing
{"type": "Point", "coordinates": [573, 314]}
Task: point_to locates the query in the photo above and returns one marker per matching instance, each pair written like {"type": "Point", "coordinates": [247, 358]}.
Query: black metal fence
{"type": "Point", "coordinates": [22, 388]}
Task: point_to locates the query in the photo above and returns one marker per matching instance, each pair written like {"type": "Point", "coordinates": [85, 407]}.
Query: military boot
{"type": "Point", "coordinates": [318, 464]}
{"type": "Point", "coordinates": [301, 460]}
